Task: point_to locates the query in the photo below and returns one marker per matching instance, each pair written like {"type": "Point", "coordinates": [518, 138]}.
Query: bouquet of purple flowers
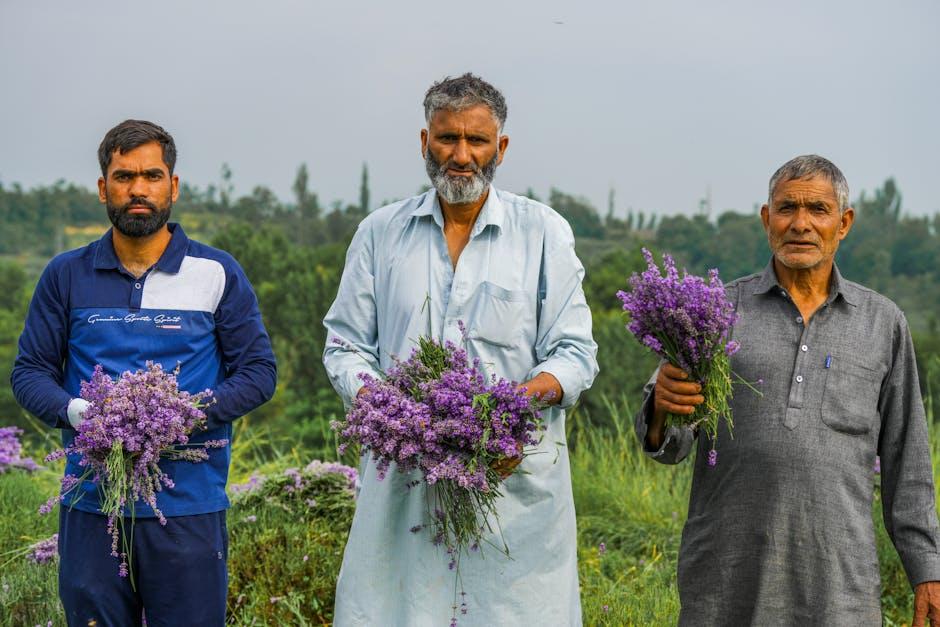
{"type": "Point", "coordinates": [439, 413]}
{"type": "Point", "coordinates": [130, 424]}
{"type": "Point", "coordinates": [686, 321]}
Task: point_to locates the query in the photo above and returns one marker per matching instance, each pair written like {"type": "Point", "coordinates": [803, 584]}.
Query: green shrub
{"type": "Point", "coordinates": [286, 540]}
{"type": "Point", "coordinates": [28, 591]}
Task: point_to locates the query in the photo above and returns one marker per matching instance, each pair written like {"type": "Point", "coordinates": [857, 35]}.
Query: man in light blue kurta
{"type": "Point", "coordinates": [516, 284]}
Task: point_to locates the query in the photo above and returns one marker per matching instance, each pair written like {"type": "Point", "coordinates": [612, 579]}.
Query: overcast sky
{"type": "Point", "coordinates": [661, 101]}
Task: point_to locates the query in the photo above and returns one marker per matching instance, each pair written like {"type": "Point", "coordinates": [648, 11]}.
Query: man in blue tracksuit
{"type": "Point", "coordinates": [145, 292]}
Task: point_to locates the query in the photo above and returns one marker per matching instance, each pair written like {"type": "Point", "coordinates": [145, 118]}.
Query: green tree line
{"type": "Point", "coordinates": [293, 252]}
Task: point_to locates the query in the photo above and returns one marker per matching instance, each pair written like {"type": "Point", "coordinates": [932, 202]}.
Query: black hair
{"type": "Point", "coordinates": [131, 134]}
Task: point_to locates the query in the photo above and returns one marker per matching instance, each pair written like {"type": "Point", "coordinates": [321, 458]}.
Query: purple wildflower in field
{"type": "Point", "coordinates": [687, 321]}
{"type": "Point", "coordinates": [44, 551]}
{"type": "Point", "coordinates": [254, 481]}
{"type": "Point", "coordinates": [130, 425]}
{"type": "Point", "coordinates": [712, 457]}
{"type": "Point", "coordinates": [317, 468]}
{"type": "Point", "coordinates": [439, 414]}
{"type": "Point", "coordinates": [11, 451]}
{"type": "Point", "coordinates": [601, 548]}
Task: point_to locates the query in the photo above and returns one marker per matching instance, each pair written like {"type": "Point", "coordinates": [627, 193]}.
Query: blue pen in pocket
{"type": "Point", "coordinates": [828, 360]}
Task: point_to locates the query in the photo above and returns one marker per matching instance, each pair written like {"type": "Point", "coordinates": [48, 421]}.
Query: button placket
{"type": "Point", "coordinates": [797, 386]}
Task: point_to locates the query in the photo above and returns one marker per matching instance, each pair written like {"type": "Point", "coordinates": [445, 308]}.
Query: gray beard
{"type": "Point", "coordinates": [460, 190]}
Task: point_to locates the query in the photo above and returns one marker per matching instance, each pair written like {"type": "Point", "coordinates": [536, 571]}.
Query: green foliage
{"type": "Point", "coordinates": [625, 366]}
{"type": "Point", "coordinates": [286, 540]}
{"type": "Point", "coordinates": [34, 221]}
{"type": "Point", "coordinates": [636, 508]}
{"type": "Point", "coordinates": [583, 218]}
{"type": "Point", "coordinates": [15, 291]}
{"type": "Point", "coordinates": [28, 591]}
{"type": "Point", "coordinates": [295, 287]}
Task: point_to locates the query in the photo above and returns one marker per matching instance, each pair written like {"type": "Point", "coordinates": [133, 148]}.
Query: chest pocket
{"type": "Point", "coordinates": [850, 399]}
{"type": "Point", "coordinates": [497, 315]}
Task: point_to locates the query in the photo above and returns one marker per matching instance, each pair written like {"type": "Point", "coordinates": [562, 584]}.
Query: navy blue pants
{"type": "Point", "coordinates": [178, 569]}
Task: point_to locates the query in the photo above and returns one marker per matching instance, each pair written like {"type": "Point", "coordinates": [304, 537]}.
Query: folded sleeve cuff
{"type": "Point", "coordinates": [569, 377]}
{"type": "Point", "coordinates": [677, 441]}
{"type": "Point", "coordinates": [922, 567]}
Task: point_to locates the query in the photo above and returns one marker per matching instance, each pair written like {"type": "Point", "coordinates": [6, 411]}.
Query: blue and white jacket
{"type": "Point", "coordinates": [194, 308]}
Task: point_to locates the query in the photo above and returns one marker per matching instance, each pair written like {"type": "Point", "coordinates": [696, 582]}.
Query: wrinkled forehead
{"type": "Point", "coordinates": [815, 187]}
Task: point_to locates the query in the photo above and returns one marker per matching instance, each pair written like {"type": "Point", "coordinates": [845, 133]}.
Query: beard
{"type": "Point", "coordinates": [138, 225]}
{"type": "Point", "coordinates": [460, 190]}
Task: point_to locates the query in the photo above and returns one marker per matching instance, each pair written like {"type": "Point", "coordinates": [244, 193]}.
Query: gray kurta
{"type": "Point", "coordinates": [780, 531]}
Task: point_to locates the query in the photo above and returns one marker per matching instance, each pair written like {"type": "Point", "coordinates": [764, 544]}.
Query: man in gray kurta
{"type": "Point", "coordinates": [780, 530]}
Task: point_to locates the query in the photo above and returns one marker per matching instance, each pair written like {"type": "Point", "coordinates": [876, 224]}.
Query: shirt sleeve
{"type": "Point", "coordinates": [907, 485]}
{"type": "Point", "coordinates": [677, 441]}
{"type": "Point", "coordinates": [351, 323]}
{"type": "Point", "coordinates": [37, 373]}
{"type": "Point", "coordinates": [564, 345]}
{"type": "Point", "coordinates": [250, 367]}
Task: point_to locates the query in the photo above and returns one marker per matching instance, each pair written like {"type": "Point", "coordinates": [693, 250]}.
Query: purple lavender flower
{"type": "Point", "coordinates": [44, 551]}
{"type": "Point", "coordinates": [442, 415]}
{"type": "Point", "coordinates": [130, 425]}
{"type": "Point", "coordinates": [712, 458]}
{"type": "Point", "coordinates": [318, 468]}
{"type": "Point", "coordinates": [11, 451]}
{"type": "Point", "coordinates": [687, 321]}
{"type": "Point", "coordinates": [437, 412]}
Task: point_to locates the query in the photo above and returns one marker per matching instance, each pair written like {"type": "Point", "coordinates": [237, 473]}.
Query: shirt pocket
{"type": "Point", "coordinates": [850, 397]}
{"type": "Point", "coordinates": [496, 315]}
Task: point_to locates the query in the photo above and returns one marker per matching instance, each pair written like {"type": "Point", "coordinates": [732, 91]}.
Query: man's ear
{"type": "Point", "coordinates": [848, 219]}
{"type": "Point", "coordinates": [502, 143]}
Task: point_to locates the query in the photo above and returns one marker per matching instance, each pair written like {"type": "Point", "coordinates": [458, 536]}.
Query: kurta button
{"type": "Point", "coordinates": [137, 285]}
{"type": "Point", "coordinates": [804, 348]}
{"type": "Point", "coordinates": [799, 378]}
{"type": "Point", "coordinates": [799, 319]}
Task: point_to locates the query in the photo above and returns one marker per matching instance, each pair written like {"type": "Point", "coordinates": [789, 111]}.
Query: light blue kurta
{"type": "Point", "coordinates": [517, 288]}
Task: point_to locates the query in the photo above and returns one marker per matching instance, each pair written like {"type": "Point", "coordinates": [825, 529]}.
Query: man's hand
{"type": "Point", "coordinates": [76, 411]}
{"type": "Point", "coordinates": [673, 394]}
{"type": "Point", "coordinates": [926, 604]}
{"type": "Point", "coordinates": [545, 387]}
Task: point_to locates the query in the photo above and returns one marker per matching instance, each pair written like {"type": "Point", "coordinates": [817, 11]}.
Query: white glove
{"type": "Point", "coordinates": [76, 411]}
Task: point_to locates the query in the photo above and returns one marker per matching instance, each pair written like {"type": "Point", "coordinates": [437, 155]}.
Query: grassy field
{"type": "Point", "coordinates": [284, 558]}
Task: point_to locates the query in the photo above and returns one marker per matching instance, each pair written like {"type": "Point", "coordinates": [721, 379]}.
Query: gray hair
{"type": "Point", "coordinates": [808, 166]}
{"type": "Point", "coordinates": [463, 92]}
